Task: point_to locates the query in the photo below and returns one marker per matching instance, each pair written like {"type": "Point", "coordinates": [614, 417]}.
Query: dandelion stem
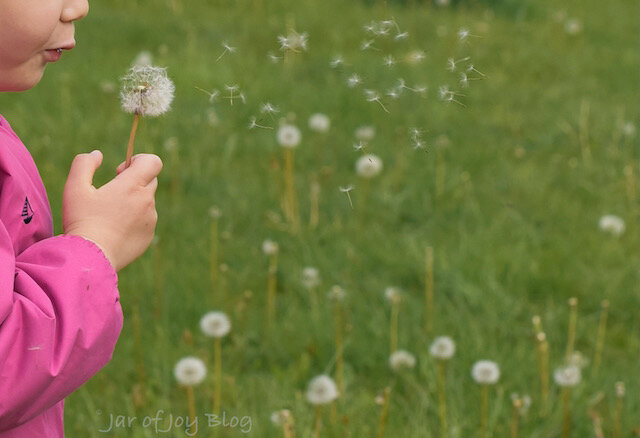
{"type": "Point", "coordinates": [337, 318]}
{"type": "Point", "coordinates": [132, 138]}
{"type": "Point", "coordinates": [617, 416]}
{"type": "Point", "coordinates": [318, 422]}
{"type": "Point", "coordinates": [566, 408]}
{"type": "Point", "coordinates": [217, 346]}
{"type": "Point", "coordinates": [429, 290]}
{"type": "Point", "coordinates": [289, 430]}
{"type": "Point", "coordinates": [484, 409]}
{"type": "Point", "coordinates": [393, 338]}
{"type": "Point", "coordinates": [602, 330]}
{"type": "Point", "coordinates": [213, 256]}
{"type": "Point", "coordinates": [271, 290]}
{"type": "Point", "coordinates": [384, 414]}
{"type": "Point", "coordinates": [442, 398]}
{"type": "Point", "coordinates": [515, 418]}
{"type": "Point", "coordinates": [191, 401]}
{"type": "Point", "coordinates": [573, 321]}
{"type": "Point", "coordinates": [291, 208]}
{"type": "Point", "coordinates": [314, 198]}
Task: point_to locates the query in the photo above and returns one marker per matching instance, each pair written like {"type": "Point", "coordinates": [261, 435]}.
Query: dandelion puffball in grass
{"type": "Point", "coordinates": [215, 324]}
{"type": "Point", "coordinates": [567, 376]}
{"type": "Point", "coordinates": [190, 371]}
{"type": "Point", "coordinates": [319, 122]}
{"type": "Point", "coordinates": [322, 390]}
{"type": "Point", "coordinates": [442, 348]}
{"type": "Point", "coordinates": [336, 293]}
{"type": "Point", "coordinates": [365, 133]}
{"type": "Point", "coordinates": [392, 294]}
{"type": "Point", "coordinates": [269, 247]}
{"type": "Point", "coordinates": [573, 26]}
{"type": "Point", "coordinates": [289, 136]}
{"type": "Point", "coordinates": [485, 372]}
{"type": "Point", "coordinates": [146, 90]}
{"type": "Point", "coordinates": [368, 166]}
{"type": "Point", "coordinates": [401, 360]}
{"type": "Point", "coordinates": [310, 277]}
{"type": "Point", "coordinates": [281, 417]}
{"type": "Point", "coordinates": [612, 224]}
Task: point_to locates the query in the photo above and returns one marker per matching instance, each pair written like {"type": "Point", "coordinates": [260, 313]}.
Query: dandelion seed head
{"type": "Point", "coordinates": [629, 129]}
{"type": "Point", "coordinates": [612, 224]}
{"type": "Point", "coordinates": [620, 389]}
{"type": "Point", "coordinates": [269, 247]}
{"type": "Point", "coordinates": [322, 390]}
{"type": "Point", "coordinates": [368, 166]}
{"type": "Point", "coordinates": [393, 294]}
{"type": "Point", "coordinates": [402, 360]}
{"type": "Point", "coordinates": [146, 90]}
{"type": "Point", "coordinates": [281, 417]}
{"type": "Point", "coordinates": [573, 26]}
{"type": "Point", "coordinates": [579, 360]}
{"type": "Point", "coordinates": [214, 212]}
{"type": "Point", "coordinates": [289, 136]}
{"type": "Point", "coordinates": [310, 277]}
{"type": "Point", "coordinates": [365, 133]}
{"type": "Point", "coordinates": [337, 293]}
{"type": "Point", "coordinates": [215, 324]}
{"type": "Point", "coordinates": [319, 122]}
{"type": "Point", "coordinates": [442, 348]}
{"type": "Point", "coordinates": [567, 376]}
{"type": "Point", "coordinates": [485, 372]}
{"type": "Point", "coordinates": [190, 371]}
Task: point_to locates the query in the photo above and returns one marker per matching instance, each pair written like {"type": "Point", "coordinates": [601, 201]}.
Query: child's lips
{"type": "Point", "coordinates": [53, 55]}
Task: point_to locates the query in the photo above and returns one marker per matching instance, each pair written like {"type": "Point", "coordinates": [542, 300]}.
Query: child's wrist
{"type": "Point", "coordinates": [107, 255]}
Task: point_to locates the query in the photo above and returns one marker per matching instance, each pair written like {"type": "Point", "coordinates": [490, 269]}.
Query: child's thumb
{"type": "Point", "coordinates": [83, 168]}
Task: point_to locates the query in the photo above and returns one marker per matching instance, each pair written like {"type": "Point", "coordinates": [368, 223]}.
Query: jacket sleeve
{"type": "Point", "coordinates": [60, 318]}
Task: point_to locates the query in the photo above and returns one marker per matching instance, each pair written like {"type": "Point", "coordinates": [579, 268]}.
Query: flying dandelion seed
{"type": "Point", "coordinates": [227, 49]}
{"type": "Point", "coordinates": [146, 91]}
{"type": "Point", "coordinates": [336, 62]}
{"type": "Point", "coordinates": [367, 45]}
{"type": "Point", "coordinates": [389, 61]}
{"type": "Point", "coordinates": [464, 34]}
{"type": "Point", "coordinates": [359, 146]}
{"type": "Point", "coordinates": [449, 96]}
{"type": "Point", "coordinates": [232, 89]}
{"type": "Point", "coordinates": [354, 80]}
{"type": "Point", "coordinates": [212, 94]}
{"type": "Point", "coordinates": [452, 63]}
{"type": "Point", "coordinates": [346, 190]}
{"type": "Point", "coordinates": [402, 36]}
{"type": "Point", "coordinates": [373, 96]}
{"type": "Point", "coordinates": [416, 57]}
{"type": "Point", "coordinates": [274, 58]}
{"type": "Point", "coordinates": [253, 123]}
{"type": "Point", "coordinates": [269, 109]}
{"type": "Point", "coordinates": [471, 68]}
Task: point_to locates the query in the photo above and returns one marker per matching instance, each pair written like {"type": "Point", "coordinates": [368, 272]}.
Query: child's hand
{"type": "Point", "coordinates": [120, 217]}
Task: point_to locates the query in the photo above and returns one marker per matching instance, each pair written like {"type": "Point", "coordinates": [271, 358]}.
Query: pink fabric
{"type": "Point", "coordinates": [60, 314]}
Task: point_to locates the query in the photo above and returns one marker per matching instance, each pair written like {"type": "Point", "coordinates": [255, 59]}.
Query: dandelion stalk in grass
{"type": "Point", "coordinates": [321, 391]}
{"type": "Point", "coordinates": [567, 378]}
{"type": "Point", "coordinates": [314, 201]}
{"type": "Point", "coordinates": [289, 138]}
{"type": "Point", "coordinates": [602, 331]}
{"type": "Point", "coordinates": [617, 415]}
{"type": "Point", "coordinates": [311, 281]}
{"type": "Point", "coordinates": [214, 215]}
{"type": "Point", "coordinates": [384, 412]}
{"type": "Point", "coordinates": [542, 356]}
{"type": "Point", "coordinates": [485, 373]}
{"type": "Point", "coordinates": [442, 349]}
{"type": "Point", "coordinates": [394, 296]}
{"type": "Point", "coordinates": [515, 418]}
{"type": "Point", "coordinates": [189, 372]}
{"type": "Point", "coordinates": [146, 91]}
{"type": "Point", "coordinates": [216, 325]}
{"type": "Point", "coordinates": [573, 322]}
{"type": "Point", "coordinates": [428, 316]}
{"type": "Point", "coordinates": [284, 419]}
{"type": "Point", "coordinates": [270, 248]}
{"type": "Point", "coordinates": [337, 295]}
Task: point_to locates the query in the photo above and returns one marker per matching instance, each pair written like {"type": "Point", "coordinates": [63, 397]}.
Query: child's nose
{"type": "Point", "coordinates": [74, 10]}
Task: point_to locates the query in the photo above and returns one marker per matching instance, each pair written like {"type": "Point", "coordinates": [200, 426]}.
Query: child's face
{"type": "Point", "coordinates": [31, 31]}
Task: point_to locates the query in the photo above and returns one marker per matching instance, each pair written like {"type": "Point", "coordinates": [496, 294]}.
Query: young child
{"type": "Point", "coordinates": [60, 315]}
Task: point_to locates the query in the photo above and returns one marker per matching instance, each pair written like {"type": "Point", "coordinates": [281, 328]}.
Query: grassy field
{"type": "Point", "coordinates": [508, 192]}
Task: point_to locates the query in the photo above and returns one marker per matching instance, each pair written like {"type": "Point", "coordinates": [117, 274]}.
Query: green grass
{"type": "Point", "coordinates": [515, 229]}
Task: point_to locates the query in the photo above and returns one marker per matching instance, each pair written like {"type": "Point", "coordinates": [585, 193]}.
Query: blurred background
{"type": "Point", "coordinates": [504, 184]}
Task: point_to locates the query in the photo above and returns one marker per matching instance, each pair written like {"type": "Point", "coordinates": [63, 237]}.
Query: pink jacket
{"type": "Point", "coordinates": [60, 315]}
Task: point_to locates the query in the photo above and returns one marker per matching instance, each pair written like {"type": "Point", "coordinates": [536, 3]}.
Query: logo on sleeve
{"type": "Point", "coordinates": [27, 211]}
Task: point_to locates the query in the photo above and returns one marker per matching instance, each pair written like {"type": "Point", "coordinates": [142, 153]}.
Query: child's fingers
{"type": "Point", "coordinates": [145, 168]}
